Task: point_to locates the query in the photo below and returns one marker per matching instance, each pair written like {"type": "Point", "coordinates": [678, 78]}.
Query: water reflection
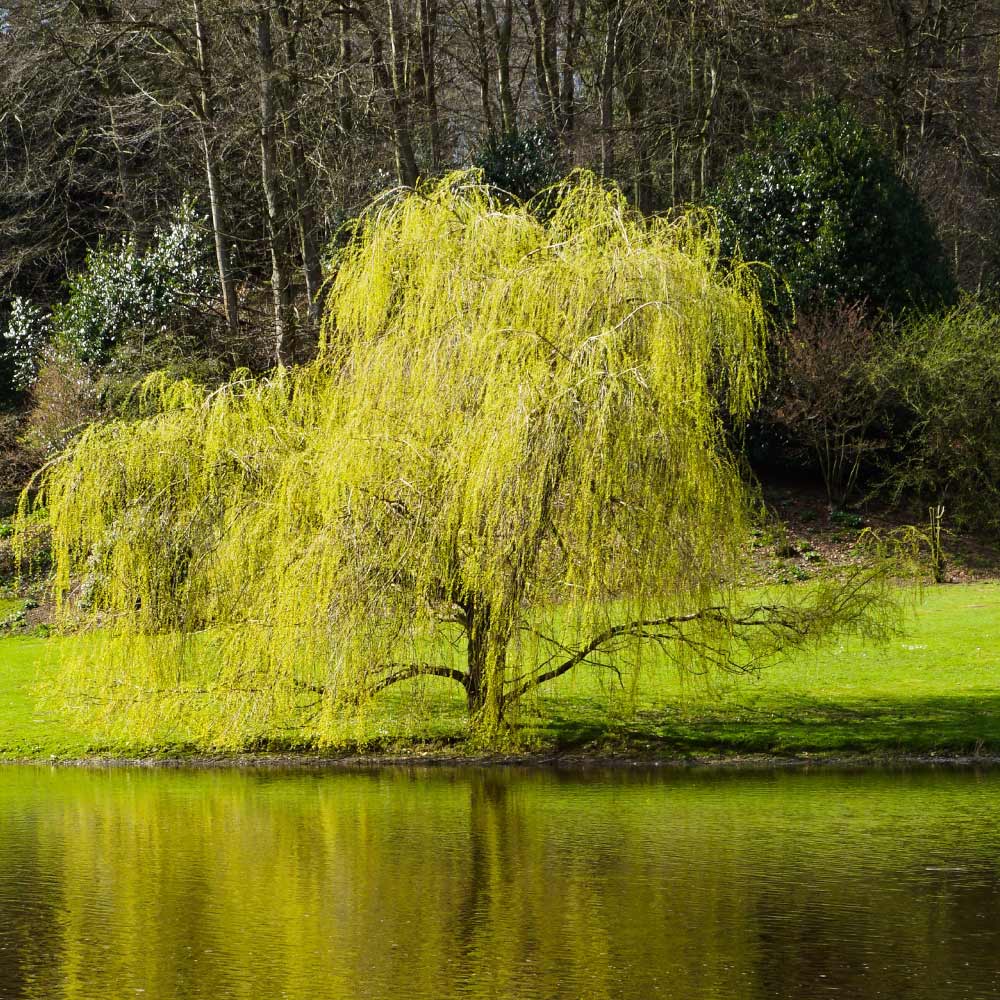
{"type": "Point", "coordinates": [436, 883]}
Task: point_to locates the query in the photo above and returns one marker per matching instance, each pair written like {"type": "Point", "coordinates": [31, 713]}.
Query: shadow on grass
{"type": "Point", "coordinates": [961, 724]}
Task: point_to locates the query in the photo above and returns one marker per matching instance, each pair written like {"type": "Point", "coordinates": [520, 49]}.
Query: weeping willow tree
{"type": "Point", "coordinates": [507, 462]}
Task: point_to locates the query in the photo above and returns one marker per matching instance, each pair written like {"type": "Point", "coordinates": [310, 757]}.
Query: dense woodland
{"type": "Point", "coordinates": [221, 147]}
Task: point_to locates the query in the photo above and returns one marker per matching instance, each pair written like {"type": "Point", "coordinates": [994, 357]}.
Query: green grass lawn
{"type": "Point", "coordinates": [26, 729]}
{"type": "Point", "coordinates": [935, 690]}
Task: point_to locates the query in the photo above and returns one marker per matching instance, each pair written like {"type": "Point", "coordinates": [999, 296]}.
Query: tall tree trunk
{"type": "Point", "coordinates": [576, 13]}
{"type": "Point", "coordinates": [710, 88]}
{"type": "Point", "coordinates": [205, 112]}
{"type": "Point", "coordinates": [633, 93]}
{"type": "Point", "coordinates": [284, 331]}
{"type": "Point", "coordinates": [606, 88]}
{"type": "Point", "coordinates": [406, 160]}
{"type": "Point", "coordinates": [391, 80]}
{"type": "Point", "coordinates": [642, 189]}
{"type": "Point", "coordinates": [549, 19]}
{"type": "Point", "coordinates": [483, 66]}
{"type": "Point", "coordinates": [540, 14]}
{"type": "Point", "coordinates": [502, 27]}
{"type": "Point", "coordinates": [427, 11]}
{"type": "Point", "coordinates": [305, 214]}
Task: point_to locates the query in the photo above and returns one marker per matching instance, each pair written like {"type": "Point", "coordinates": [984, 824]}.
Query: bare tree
{"type": "Point", "coordinates": [277, 211]}
{"type": "Point", "coordinates": [204, 107]}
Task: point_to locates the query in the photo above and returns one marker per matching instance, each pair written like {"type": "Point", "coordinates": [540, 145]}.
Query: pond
{"type": "Point", "coordinates": [503, 883]}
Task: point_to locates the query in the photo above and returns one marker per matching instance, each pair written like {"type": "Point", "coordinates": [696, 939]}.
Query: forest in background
{"type": "Point", "coordinates": [176, 177]}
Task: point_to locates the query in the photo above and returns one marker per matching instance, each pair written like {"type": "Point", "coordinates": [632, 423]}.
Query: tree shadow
{"type": "Point", "coordinates": [960, 724]}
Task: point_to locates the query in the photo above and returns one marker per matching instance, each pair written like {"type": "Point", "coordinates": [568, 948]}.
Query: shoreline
{"type": "Point", "coordinates": [553, 761]}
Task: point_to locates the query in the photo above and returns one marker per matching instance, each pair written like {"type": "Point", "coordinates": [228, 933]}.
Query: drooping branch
{"type": "Point", "coordinates": [634, 629]}
{"type": "Point", "coordinates": [398, 672]}
{"type": "Point", "coordinates": [393, 673]}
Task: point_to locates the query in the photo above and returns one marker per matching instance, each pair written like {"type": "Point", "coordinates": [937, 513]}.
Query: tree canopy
{"type": "Point", "coordinates": [508, 461]}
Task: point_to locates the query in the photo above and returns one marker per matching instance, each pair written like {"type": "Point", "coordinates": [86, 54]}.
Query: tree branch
{"type": "Point", "coordinates": [406, 671]}
{"type": "Point", "coordinates": [767, 616]}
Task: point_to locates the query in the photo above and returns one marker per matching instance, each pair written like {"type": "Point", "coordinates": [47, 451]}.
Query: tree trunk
{"type": "Point", "coordinates": [483, 59]}
{"type": "Point", "coordinates": [711, 89]}
{"type": "Point", "coordinates": [642, 191]}
{"type": "Point", "coordinates": [549, 19]}
{"type": "Point", "coordinates": [543, 48]}
{"type": "Point", "coordinates": [634, 96]}
{"type": "Point", "coordinates": [486, 653]}
{"type": "Point", "coordinates": [607, 91]}
{"type": "Point", "coordinates": [392, 83]}
{"type": "Point", "coordinates": [284, 345]}
{"type": "Point", "coordinates": [406, 161]}
{"type": "Point", "coordinates": [502, 27]}
{"type": "Point", "coordinates": [476, 684]}
{"type": "Point", "coordinates": [427, 11]}
{"type": "Point", "coordinates": [575, 18]}
{"type": "Point", "coordinates": [305, 213]}
{"type": "Point", "coordinates": [206, 121]}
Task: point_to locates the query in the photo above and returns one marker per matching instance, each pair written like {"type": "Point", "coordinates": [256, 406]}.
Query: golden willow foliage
{"type": "Point", "coordinates": [508, 461]}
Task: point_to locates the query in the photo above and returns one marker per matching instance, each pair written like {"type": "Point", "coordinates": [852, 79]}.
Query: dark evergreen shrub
{"type": "Point", "coordinates": [520, 163]}
{"type": "Point", "coordinates": [818, 200]}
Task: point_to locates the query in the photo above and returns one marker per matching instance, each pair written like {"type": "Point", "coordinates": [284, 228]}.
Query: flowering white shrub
{"type": "Point", "coordinates": [121, 289]}
{"type": "Point", "coordinates": [124, 289]}
{"type": "Point", "coordinates": [28, 328]}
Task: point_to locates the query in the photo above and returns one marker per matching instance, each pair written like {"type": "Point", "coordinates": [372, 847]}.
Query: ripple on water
{"type": "Point", "coordinates": [501, 883]}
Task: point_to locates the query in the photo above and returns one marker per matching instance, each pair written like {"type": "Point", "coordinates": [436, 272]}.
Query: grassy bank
{"type": "Point", "coordinates": [935, 690]}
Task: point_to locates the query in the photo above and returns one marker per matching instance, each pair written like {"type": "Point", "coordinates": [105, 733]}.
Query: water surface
{"type": "Point", "coordinates": [435, 883]}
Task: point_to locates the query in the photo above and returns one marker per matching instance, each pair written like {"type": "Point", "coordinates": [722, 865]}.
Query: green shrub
{"type": "Point", "coordinates": [817, 200]}
{"type": "Point", "coordinates": [520, 163]}
{"type": "Point", "coordinates": [942, 376]}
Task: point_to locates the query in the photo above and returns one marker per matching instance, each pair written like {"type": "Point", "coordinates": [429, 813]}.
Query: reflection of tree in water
{"type": "Point", "coordinates": [490, 834]}
{"type": "Point", "coordinates": [486, 883]}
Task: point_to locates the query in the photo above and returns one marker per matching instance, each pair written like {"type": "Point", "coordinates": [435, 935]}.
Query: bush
{"type": "Point", "coordinates": [818, 201]}
{"type": "Point", "coordinates": [123, 289]}
{"type": "Point", "coordinates": [64, 399]}
{"type": "Point", "coordinates": [942, 375]}
{"type": "Point", "coordinates": [520, 164]}
{"type": "Point", "coordinates": [16, 466]}
{"type": "Point", "coordinates": [28, 329]}
{"type": "Point", "coordinates": [825, 398]}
